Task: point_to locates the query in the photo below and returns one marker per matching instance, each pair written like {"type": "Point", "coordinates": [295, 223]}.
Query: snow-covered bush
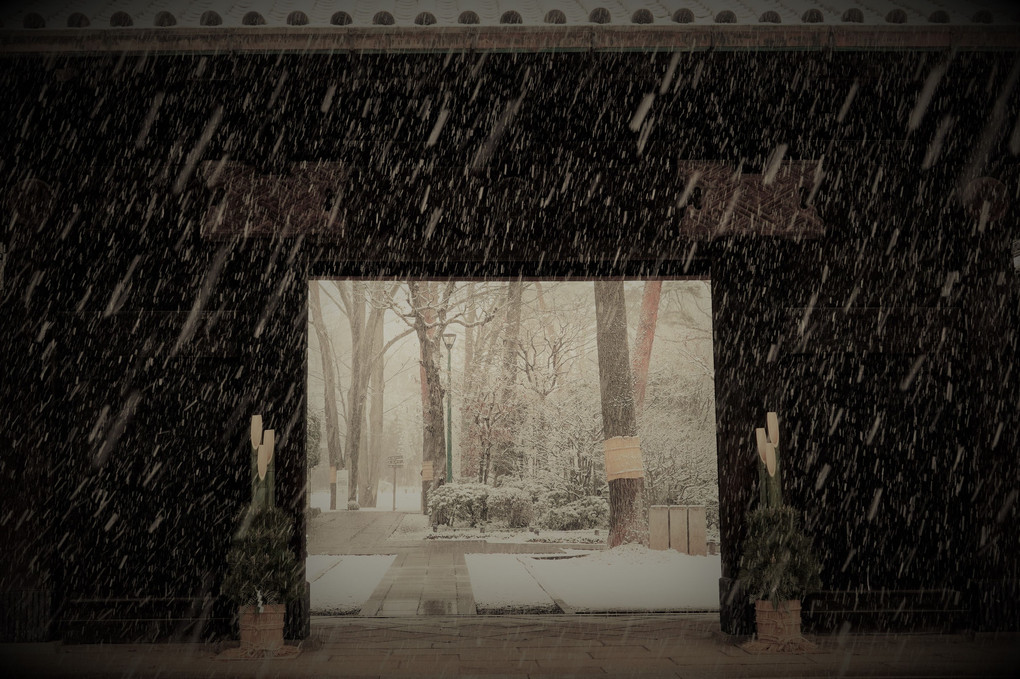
{"type": "Point", "coordinates": [352, 505]}
{"type": "Point", "coordinates": [589, 512]}
{"type": "Point", "coordinates": [557, 497]}
{"type": "Point", "coordinates": [533, 488]}
{"type": "Point", "coordinates": [464, 501]}
{"type": "Point", "coordinates": [512, 506]}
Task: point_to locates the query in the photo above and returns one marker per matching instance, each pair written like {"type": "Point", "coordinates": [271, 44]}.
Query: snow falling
{"type": "Point", "coordinates": [398, 261]}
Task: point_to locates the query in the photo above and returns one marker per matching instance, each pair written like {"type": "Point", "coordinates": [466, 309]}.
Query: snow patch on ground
{"type": "Point", "coordinates": [411, 527]}
{"type": "Point", "coordinates": [627, 578]}
{"type": "Point", "coordinates": [342, 584]}
{"type": "Point", "coordinates": [501, 584]}
{"type": "Point", "coordinates": [632, 578]}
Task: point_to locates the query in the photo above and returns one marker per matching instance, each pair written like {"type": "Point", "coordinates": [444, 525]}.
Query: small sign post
{"type": "Point", "coordinates": [395, 461]}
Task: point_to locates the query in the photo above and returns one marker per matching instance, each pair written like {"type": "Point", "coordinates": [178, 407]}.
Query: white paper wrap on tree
{"type": "Point", "coordinates": [426, 471]}
{"type": "Point", "coordinates": [623, 458]}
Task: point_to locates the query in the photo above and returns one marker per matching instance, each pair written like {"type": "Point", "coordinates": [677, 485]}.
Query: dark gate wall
{"type": "Point", "coordinates": [137, 349]}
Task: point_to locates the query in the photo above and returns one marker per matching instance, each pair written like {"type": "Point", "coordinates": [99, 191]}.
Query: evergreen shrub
{"type": "Point", "coordinates": [262, 569]}
{"type": "Point", "coordinates": [778, 562]}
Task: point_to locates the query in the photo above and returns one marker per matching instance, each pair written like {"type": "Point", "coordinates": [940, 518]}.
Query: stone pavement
{"type": "Point", "coordinates": [683, 646]}
{"type": "Point", "coordinates": [361, 532]}
{"type": "Point", "coordinates": [423, 582]}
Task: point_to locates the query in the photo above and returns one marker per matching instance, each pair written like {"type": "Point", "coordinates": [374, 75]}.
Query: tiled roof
{"type": "Point", "coordinates": [95, 14]}
{"type": "Point", "coordinates": [62, 17]}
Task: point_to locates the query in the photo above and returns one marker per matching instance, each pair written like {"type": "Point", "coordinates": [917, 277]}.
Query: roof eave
{"type": "Point", "coordinates": [190, 40]}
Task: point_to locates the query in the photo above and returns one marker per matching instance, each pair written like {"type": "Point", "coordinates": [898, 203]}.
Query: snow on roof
{"type": "Point", "coordinates": [104, 14]}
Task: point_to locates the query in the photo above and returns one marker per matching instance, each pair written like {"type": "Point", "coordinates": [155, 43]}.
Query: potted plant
{"type": "Point", "coordinates": [777, 568]}
{"type": "Point", "coordinates": [262, 577]}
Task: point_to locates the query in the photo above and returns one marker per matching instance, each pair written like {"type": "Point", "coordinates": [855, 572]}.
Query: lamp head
{"type": "Point", "coordinates": [448, 339]}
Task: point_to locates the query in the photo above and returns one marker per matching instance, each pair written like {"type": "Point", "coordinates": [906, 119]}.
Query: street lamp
{"type": "Point", "coordinates": [448, 339]}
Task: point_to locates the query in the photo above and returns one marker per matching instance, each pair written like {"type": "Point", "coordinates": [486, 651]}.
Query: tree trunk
{"type": "Point", "coordinates": [367, 476]}
{"type": "Point", "coordinates": [468, 451]}
{"type": "Point", "coordinates": [363, 331]}
{"type": "Point", "coordinates": [426, 460]}
{"type": "Point", "coordinates": [643, 342]}
{"type": "Point", "coordinates": [424, 297]}
{"type": "Point", "coordinates": [627, 521]}
{"type": "Point", "coordinates": [329, 379]}
{"type": "Point", "coordinates": [375, 416]}
{"type": "Point", "coordinates": [508, 457]}
{"type": "Point", "coordinates": [418, 294]}
{"type": "Point", "coordinates": [358, 392]}
{"type": "Point", "coordinates": [434, 440]}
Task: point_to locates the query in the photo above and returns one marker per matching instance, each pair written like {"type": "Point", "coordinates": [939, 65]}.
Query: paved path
{"type": "Point", "coordinates": [545, 646]}
{"type": "Point", "coordinates": [428, 577]}
{"type": "Point", "coordinates": [352, 532]}
{"type": "Point", "coordinates": [429, 581]}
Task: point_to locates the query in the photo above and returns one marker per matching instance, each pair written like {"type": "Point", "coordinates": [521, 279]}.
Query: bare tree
{"type": "Point", "coordinates": [690, 304]}
{"type": "Point", "coordinates": [432, 308]}
{"type": "Point", "coordinates": [365, 305]}
{"type": "Point", "coordinates": [467, 463]}
{"type": "Point", "coordinates": [370, 487]}
{"type": "Point", "coordinates": [479, 357]}
{"type": "Point", "coordinates": [548, 348]}
{"type": "Point", "coordinates": [329, 389]}
{"type": "Point", "coordinates": [488, 430]}
{"type": "Point", "coordinates": [508, 457]}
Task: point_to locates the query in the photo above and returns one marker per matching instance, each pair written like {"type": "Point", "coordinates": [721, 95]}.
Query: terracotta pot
{"type": "Point", "coordinates": [777, 624]}
{"type": "Point", "coordinates": [262, 631]}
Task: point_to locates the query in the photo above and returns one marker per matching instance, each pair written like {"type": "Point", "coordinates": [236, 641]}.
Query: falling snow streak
{"type": "Point", "coordinates": [925, 96]}
{"type": "Point", "coordinates": [116, 430]}
{"type": "Point", "coordinates": [196, 153]}
{"type": "Point", "coordinates": [208, 283]}
{"type": "Point", "coordinates": [150, 117]}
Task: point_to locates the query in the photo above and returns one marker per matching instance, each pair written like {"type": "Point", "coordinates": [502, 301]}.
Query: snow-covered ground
{"type": "Point", "coordinates": [628, 578]}
{"type": "Point", "coordinates": [501, 583]}
{"type": "Point", "coordinates": [342, 584]}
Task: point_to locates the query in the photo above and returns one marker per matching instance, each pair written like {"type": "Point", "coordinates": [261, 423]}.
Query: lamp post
{"type": "Point", "coordinates": [448, 339]}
